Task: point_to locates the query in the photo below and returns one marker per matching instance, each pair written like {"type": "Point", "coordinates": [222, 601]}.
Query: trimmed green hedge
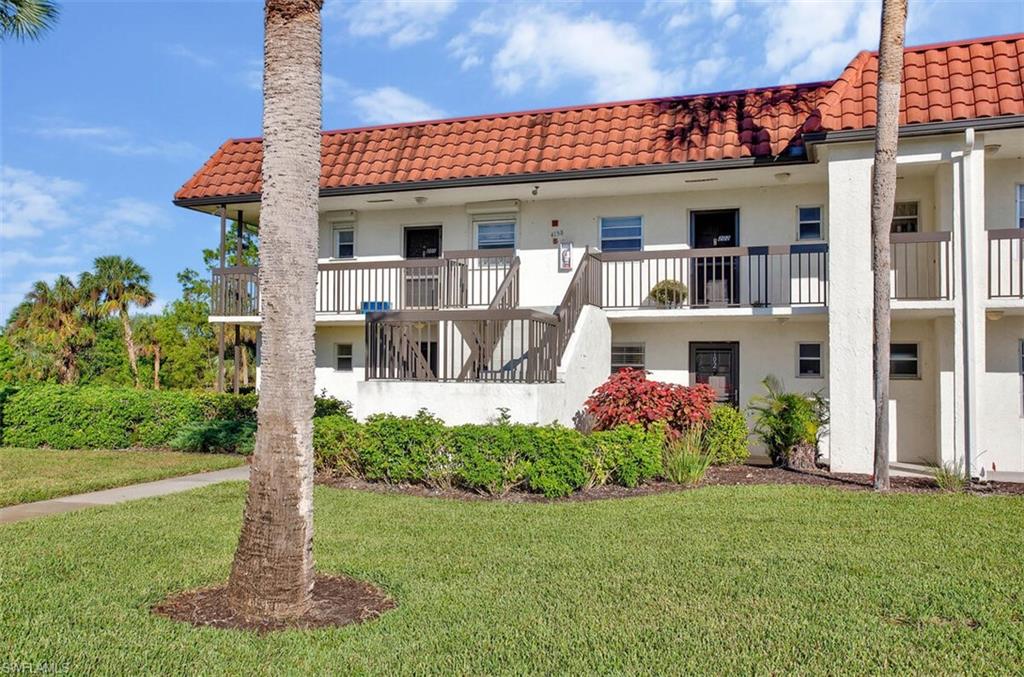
{"type": "Point", "coordinates": [726, 436]}
{"type": "Point", "coordinates": [106, 417]}
{"type": "Point", "coordinates": [492, 459]}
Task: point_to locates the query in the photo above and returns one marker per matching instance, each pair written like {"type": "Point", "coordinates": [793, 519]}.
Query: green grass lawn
{"type": "Point", "coordinates": [762, 579]}
{"type": "Point", "coordinates": [37, 474]}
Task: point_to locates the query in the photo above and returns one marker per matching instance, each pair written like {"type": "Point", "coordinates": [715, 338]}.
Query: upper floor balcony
{"type": "Point", "coordinates": [1006, 263]}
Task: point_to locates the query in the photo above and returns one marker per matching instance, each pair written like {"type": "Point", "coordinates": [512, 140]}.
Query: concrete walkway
{"type": "Point", "coordinates": [173, 485]}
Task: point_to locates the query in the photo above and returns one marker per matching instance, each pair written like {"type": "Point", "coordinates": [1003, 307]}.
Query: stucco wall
{"type": "Point", "coordinates": [1001, 179]}
{"type": "Point", "coordinates": [1002, 405]}
{"type": "Point", "coordinates": [913, 427]}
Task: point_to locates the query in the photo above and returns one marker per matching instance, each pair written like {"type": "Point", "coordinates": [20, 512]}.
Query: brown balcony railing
{"type": "Point", "coordinates": [460, 279]}
{"type": "Point", "coordinates": [235, 291]}
{"type": "Point", "coordinates": [583, 289]}
{"type": "Point", "coordinates": [478, 345]}
{"type": "Point", "coordinates": [922, 266]}
{"type": "Point", "coordinates": [778, 275]}
{"type": "Point", "coordinates": [1006, 263]}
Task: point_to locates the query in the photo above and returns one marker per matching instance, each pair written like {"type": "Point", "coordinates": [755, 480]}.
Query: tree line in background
{"type": "Point", "coordinates": [84, 331]}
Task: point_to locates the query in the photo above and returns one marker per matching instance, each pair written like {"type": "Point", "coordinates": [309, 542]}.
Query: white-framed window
{"type": "Point", "coordinates": [1020, 205]}
{"type": "Point", "coordinates": [904, 217]}
{"type": "Point", "coordinates": [344, 241]}
{"type": "Point", "coordinates": [627, 356]}
{"type": "Point", "coordinates": [495, 232]}
{"type": "Point", "coordinates": [622, 233]}
{"type": "Point", "coordinates": [809, 360]}
{"type": "Point", "coordinates": [903, 361]}
{"type": "Point", "coordinates": [809, 222]}
{"type": "Point", "coordinates": [343, 356]}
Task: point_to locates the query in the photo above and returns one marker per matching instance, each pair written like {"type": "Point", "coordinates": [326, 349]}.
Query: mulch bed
{"type": "Point", "coordinates": [337, 601]}
{"type": "Point", "coordinates": [731, 475]}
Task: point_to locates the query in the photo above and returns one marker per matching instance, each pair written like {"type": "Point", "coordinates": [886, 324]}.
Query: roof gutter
{"type": "Point", "coordinates": [922, 129]}
{"type": "Point", "coordinates": [511, 179]}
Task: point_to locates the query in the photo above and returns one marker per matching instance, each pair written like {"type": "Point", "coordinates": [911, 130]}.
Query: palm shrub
{"type": "Point", "coordinates": [218, 436]}
{"type": "Point", "coordinates": [789, 424]}
{"type": "Point", "coordinates": [686, 458]}
{"type": "Point", "coordinates": [726, 435]}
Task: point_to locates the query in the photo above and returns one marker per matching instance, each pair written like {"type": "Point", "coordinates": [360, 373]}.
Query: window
{"type": "Point", "coordinates": [622, 234]}
{"type": "Point", "coordinates": [343, 356]}
{"type": "Point", "coordinates": [808, 223]}
{"type": "Point", "coordinates": [627, 356]}
{"type": "Point", "coordinates": [498, 233]}
{"type": "Point", "coordinates": [808, 360]}
{"type": "Point", "coordinates": [344, 242]}
{"type": "Point", "coordinates": [1020, 205]}
{"type": "Point", "coordinates": [903, 362]}
{"type": "Point", "coordinates": [904, 217]}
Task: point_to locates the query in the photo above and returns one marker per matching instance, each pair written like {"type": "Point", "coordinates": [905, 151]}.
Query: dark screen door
{"type": "Point", "coordinates": [713, 278]}
{"type": "Point", "coordinates": [421, 283]}
{"type": "Point", "coordinates": [718, 365]}
{"type": "Point", "coordinates": [423, 243]}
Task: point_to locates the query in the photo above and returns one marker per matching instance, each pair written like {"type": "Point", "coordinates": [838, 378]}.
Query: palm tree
{"type": "Point", "coordinates": [883, 196]}
{"type": "Point", "coordinates": [26, 18]}
{"type": "Point", "coordinates": [272, 573]}
{"type": "Point", "coordinates": [148, 333]}
{"type": "Point", "coordinates": [115, 284]}
{"type": "Point", "coordinates": [56, 319]}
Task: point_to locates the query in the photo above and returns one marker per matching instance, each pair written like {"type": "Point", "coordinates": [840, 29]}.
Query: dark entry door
{"type": "Point", "coordinates": [422, 283]}
{"type": "Point", "coordinates": [718, 365]}
{"type": "Point", "coordinates": [714, 280]}
{"type": "Point", "coordinates": [423, 242]}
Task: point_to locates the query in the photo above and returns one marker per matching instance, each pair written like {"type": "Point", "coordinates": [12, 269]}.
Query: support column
{"type": "Point", "coordinates": [239, 248]}
{"type": "Point", "coordinates": [220, 293]}
{"type": "Point", "coordinates": [851, 438]}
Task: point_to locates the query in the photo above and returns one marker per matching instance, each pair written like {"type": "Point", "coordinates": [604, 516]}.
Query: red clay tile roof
{"type": "Point", "coordinates": [970, 79]}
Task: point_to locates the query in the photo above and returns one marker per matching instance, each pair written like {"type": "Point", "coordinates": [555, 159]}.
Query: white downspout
{"type": "Point", "coordinates": [967, 302]}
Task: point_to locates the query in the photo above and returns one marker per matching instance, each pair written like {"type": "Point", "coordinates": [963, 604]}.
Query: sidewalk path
{"type": "Point", "coordinates": [172, 485]}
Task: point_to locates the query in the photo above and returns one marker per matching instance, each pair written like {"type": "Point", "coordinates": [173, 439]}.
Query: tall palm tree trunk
{"type": "Point", "coordinates": [272, 574]}
{"type": "Point", "coordinates": [883, 196]}
{"type": "Point", "coordinates": [129, 344]}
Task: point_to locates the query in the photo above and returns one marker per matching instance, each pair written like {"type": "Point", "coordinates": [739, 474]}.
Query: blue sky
{"type": "Point", "coordinates": [103, 119]}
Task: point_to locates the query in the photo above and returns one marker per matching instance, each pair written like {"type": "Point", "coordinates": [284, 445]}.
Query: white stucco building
{"type": "Point", "coordinates": [509, 260]}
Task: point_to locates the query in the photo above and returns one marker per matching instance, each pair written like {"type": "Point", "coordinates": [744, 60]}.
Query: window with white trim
{"type": "Point", "coordinates": [904, 217]}
{"type": "Point", "coordinates": [808, 360]}
{"type": "Point", "coordinates": [808, 222]}
{"type": "Point", "coordinates": [343, 356]}
{"type": "Point", "coordinates": [345, 242]}
{"type": "Point", "coordinates": [495, 232]}
{"type": "Point", "coordinates": [627, 356]}
{"type": "Point", "coordinates": [1020, 205]}
{"type": "Point", "coordinates": [903, 361]}
{"type": "Point", "coordinates": [622, 233]}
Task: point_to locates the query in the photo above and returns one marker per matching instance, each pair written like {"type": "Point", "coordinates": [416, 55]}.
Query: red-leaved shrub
{"type": "Point", "coordinates": [627, 397]}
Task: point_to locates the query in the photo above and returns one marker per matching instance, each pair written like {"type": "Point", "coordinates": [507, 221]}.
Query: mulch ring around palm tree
{"type": "Point", "coordinates": [726, 475]}
{"type": "Point", "coordinates": [337, 601]}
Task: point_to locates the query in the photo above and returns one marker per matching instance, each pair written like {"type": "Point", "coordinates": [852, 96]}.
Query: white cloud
{"type": "Point", "coordinates": [840, 30]}
{"type": "Point", "coordinates": [545, 48]}
{"type": "Point", "coordinates": [113, 140]}
{"type": "Point", "coordinates": [31, 204]}
{"type": "Point", "coordinates": [76, 229]}
{"type": "Point", "coordinates": [188, 54]}
{"type": "Point", "coordinates": [404, 22]}
{"type": "Point", "coordinates": [390, 104]}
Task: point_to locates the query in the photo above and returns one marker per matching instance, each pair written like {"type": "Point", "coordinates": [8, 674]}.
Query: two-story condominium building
{"type": "Point", "coordinates": [515, 260]}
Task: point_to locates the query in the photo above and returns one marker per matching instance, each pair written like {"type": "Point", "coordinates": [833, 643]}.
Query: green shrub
{"type": "Point", "coordinates": [556, 459]}
{"type": "Point", "coordinates": [669, 293]}
{"type": "Point", "coordinates": [107, 417]}
{"type": "Point", "coordinates": [726, 435]}
{"type": "Point", "coordinates": [488, 458]}
{"type": "Point", "coordinates": [219, 436]}
{"type": "Point", "coordinates": [686, 457]}
{"type": "Point", "coordinates": [785, 421]}
{"type": "Point", "coordinates": [402, 448]}
{"type": "Point", "coordinates": [337, 440]}
{"type": "Point", "coordinates": [328, 405]}
{"type": "Point", "coordinates": [627, 455]}
{"type": "Point", "coordinates": [6, 391]}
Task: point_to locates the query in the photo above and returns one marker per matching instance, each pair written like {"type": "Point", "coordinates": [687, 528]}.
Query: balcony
{"type": "Point", "coordinates": [922, 266]}
{"type": "Point", "coordinates": [1006, 263]}
{"type": "Point", "coordinates": [752, 277]}
{"type": "Point", "coordinates": [460, 279]}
